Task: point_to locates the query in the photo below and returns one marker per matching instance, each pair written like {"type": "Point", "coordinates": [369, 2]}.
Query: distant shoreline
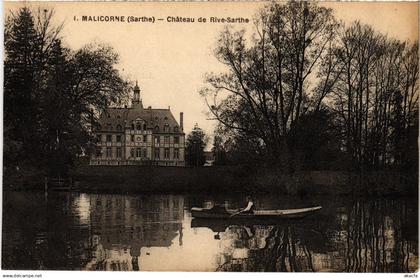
{"type": "Point", "coordinates": [134, 179]}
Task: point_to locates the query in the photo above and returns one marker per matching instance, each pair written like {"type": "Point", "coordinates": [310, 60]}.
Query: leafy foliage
{"type": "Point", "coordinates": [302, 72]}
{"type": "Point", "coordinates": [52, 93]}
{"type": "Point", "coordinates": [195, 144]}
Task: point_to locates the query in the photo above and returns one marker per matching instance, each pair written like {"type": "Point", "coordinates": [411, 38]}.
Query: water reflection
{"type": "Point", "coordinates": [120, 226]}
{"type": "Point", "coordinates": [129, 233]}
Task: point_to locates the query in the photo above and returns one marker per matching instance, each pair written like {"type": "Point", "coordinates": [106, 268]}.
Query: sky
{"type": "Point", "coordinates": [170, 60]}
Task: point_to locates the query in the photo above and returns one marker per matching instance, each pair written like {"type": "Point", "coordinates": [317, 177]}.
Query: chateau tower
{"type": "Point", "coordinates": [137, 103]}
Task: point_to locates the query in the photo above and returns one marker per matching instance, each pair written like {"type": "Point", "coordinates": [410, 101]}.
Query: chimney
{"type": "Point", "coordinates": [181, 121]}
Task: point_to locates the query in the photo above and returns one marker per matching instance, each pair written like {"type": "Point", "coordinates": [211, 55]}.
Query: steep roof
{"type": "Point", "coordinates": [125, 117]}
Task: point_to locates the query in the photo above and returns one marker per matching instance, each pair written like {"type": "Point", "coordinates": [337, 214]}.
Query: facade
{"type": "Point", "coordinates": [139, 136]}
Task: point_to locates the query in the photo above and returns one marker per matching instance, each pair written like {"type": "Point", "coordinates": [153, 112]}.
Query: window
{"type": "Point", "coordinates": [119, 153]}
{"type": "Point", "coordinates": [132, 152]}
{"type": "Point", "coordinates": [108, 152]}
{"type": "Point", "coordinates": [144, 138]}
{"type": "Point", "coordinates": [166, 139]}
{"type": "Point", "coordinates": [98, 151]}
{"type": "Point", "coordinates": [109, 138]}
{"type": "Point", "coordinates": [138, 152]}
{"type": "Point", "coordinates": [118, 138]}
{"type": "Point", "coordinates": [176, 129]}
{"type": "Point", "coordinates": [157, 153]}
{"type": "Point", "coordinates": [144, 152]}
{"type": "Point", "coordinates": [166, 128]}
{"type": "Point", "coordinates": [119, 128]}
{"type": "Point", "coordinates": [132, 138]}
{"type": "Point", "coordinates": [157, 128]}
{"type": "Point", "coordinates": [132, 126]}
{"type": "Point", "coordinates": [176, 153]}
{"type": "Point", "coordinates": [176, 139]}
{"type": "Point", "coordinates": [144, 126]}
{"type": "Point", "coordinates": [157, 139]}
{"type": "Point", "coordinates": [138, 126]}
{"type": "Point", "coordinates": [166, 152]}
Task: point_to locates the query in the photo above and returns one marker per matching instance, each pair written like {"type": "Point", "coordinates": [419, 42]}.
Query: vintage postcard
{"type": "Point", "coordinates": [210, 136]}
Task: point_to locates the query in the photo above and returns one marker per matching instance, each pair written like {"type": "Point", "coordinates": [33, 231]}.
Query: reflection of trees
{"type": "Point", "coordinates": [375, 237]}
{"type": "Point", "coordinates": [283, 251]}
{"type": "Point", "coordinates": [66, 249]}
{"type": "Point", "coordinates": [365, 236]}
{"type": "Point", "coordinates": [126, 224]}
{"type": "Point", "coordinates": [23, 231]}
{"type": "Point", "coordinates": [61, 233]}
{"type": "Point", "coordinates": [104, 232]}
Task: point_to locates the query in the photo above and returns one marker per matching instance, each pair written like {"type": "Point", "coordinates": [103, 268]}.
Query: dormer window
{"type": "Point", "coordinates": [144, 126]}
{"type": "Point", "coordinates": [157, 128]}
{"type": "Point", "coordinates": [119, 128]}
{"type": "Point", "coordinates": [138, 126]}
{"type": "Point", "coordinates": [166, 128]}
{"type": "Point", "coordinates": [109, 127]}
{"type": "Point", "coordinates": [176, 129]}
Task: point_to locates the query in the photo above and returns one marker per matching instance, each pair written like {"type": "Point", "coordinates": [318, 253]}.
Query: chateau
{"type": "Point", "coordinates": [139, 136]}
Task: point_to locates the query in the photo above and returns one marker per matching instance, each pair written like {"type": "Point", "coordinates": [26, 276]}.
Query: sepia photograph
{"type": "Point", "coordinates": [271, 136]}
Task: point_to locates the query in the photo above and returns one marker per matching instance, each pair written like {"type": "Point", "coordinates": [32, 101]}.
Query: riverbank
{"type": "Point", "coordinates": [134, 179]}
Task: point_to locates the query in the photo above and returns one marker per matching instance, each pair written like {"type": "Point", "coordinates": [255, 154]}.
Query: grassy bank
{"type": "Point", "coordinates": [134, 179]}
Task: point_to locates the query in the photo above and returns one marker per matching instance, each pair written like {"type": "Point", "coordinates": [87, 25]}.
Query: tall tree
{"type": "Point", "coordinates": [300, 63]}
{"type": "Point", "coordinates": [196, 142]}
{"type": "Point", "coordinates": [265, 89]}
{"type": "Point", "coordinates": [21, 67]}
{"type": "Point", "coordinates": [368, 95]}
{"type": "Point", "coordinates": [52, 93]}
{"type": "Point", "coordinates": [218, 151]}
{"type": "Point", "coordinates": [314, 140]}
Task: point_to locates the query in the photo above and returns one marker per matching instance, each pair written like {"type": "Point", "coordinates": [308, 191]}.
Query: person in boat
{"type": "Point", "coordinates": [249, 207]}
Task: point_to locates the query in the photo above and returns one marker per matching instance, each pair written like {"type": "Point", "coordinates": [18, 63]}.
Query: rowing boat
{"type": "Point", "coordinates": [222, 213]}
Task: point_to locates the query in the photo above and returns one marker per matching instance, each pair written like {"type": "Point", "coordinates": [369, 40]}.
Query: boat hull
{"type": "Point", "coordinates": [258, 214]}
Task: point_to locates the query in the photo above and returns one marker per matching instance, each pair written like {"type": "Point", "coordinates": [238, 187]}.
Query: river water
{"type": "Point", "coordinates": [78, 231]}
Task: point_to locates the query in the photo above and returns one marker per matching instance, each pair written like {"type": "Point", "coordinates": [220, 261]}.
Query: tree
{"type": "Point", "coordinates": [196, 142]}
{"type": "Point", "coordinates": [236, 148]}
{"type": "Point", "coordinates": [314, 140]}
{"type": "Point", "coordinates": [265, 89]}
{"type": "Point", "coordinates": [218, 151]}
{"type": "Point", "coordinates": [374, 84]}
{"type": "Point", "coordinates": [29, 37]}
{"type": "Point", "coordinates": [301, 64]}
{"type": "Point", "coordinates": [53, 93]}
{"type": "Point", "coordinates": [92, 84]}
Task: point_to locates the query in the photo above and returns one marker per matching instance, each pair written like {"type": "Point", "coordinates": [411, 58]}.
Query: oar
{"type": "Point", "coordinates": [236, 213]}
